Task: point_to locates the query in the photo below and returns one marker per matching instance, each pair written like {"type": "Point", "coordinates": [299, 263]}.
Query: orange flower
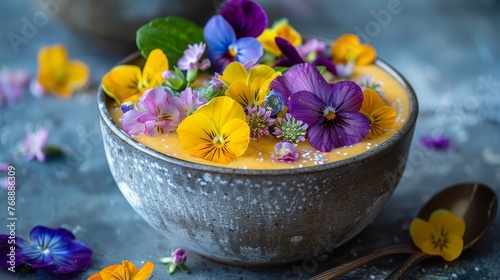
{"type": "Point", "coordinates": [348, 48]}
{"type": "Point", "coordinates": [124, 271]}
{"type": "Point", "coordinates": [127, 82]}
{"type": "Point", "coordinates": [381, 116]}
{"type": "Point", "coordinates": [59, 75]}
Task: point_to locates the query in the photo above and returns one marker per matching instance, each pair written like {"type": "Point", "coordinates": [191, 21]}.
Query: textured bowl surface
{"type": "Point", "coordinates": [256, 217]}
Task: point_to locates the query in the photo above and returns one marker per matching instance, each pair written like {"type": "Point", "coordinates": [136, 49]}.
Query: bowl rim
{"type": "Point", "coordinates": [102, 99]}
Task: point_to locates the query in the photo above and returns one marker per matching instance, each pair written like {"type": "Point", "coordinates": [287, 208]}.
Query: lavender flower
{"type": "Point", "coordinates": [12, 83]}
{"type": "Point", "coordinates": [33, 145]}
{"type": "Point", "coordinates": [368, 82]}
{"type": "Point", "coordinates": [259, 120]}
{"type": "Point", "coordinates": [311, 49]}
{"type": "Point", "coordinates": [191, 57]}
{"type": "Point", "coordinates": [291, 129]}
{"type": "Point", "coordinates": [285, 152]}
{"type": "Point", "coordinates": [188, 102]}
{"type": "Point", "coordinates": [345, 70]}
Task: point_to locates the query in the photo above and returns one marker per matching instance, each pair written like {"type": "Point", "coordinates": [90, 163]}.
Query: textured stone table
{"type": "Point", "coordinates": [449, 51]}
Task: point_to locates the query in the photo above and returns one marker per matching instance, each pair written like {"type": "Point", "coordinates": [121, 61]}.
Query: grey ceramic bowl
{"type": "Point", "coordinates": [256, 217]}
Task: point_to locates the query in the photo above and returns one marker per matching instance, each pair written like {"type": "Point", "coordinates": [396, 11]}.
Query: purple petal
{"type": "Point", "coordinates": [307, 107]}
{"type": "Point", "coordinates": [301, 77]}
{"type": "Point", "coordinates": [345, 96]}
{"type": "Point", "coordinates": [322, 61]}
{"type": "Point", "coordinates": [154, 100]}
{"type": "Point", "coordinates": [249, 50]}
{"type": "Point", "coordinates": [289, 51]}
{"type": "Point", "coordinates": [69, 257]}
{"type": "Point", "coordinates": [34, 255]}
{"type": "Point", "coordinates": [6, 242]}
{"type": "Point", "coordinates": [130, 123]}
{"type": "Point", "coordinates": [247, 18]}
{"type": "Point", "coordinates": [47, 237]}
{"type": "Point", "coordinates": [436, 141]}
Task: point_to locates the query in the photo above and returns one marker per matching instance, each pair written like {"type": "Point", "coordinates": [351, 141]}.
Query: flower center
{"type": "Point", "coordinates": [329, 113]}
{"type": "Point", "coordinates": [232, 50]}
{"type": "Point", "coordinates": [440, 240]}
{"type": "Point", "coordinates": [142, 84]}
{"type": "Point", "coordinates": [218, 141]}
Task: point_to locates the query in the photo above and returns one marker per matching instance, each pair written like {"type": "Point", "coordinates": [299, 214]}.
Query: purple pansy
{"type": "Point", "coordinates": [33, 145]}
{"type": "Point", "coordinates": [156, 114]}
{"type": "Point", "coordinates": [191, 57]}
{"type": "Point", "coordinates": [247, 18]}
{"type": "Point", "coordinates": [285, 152]}
{"type": "Point", "coordinates": [188, 102]}
{"type": "Point", "coordinates": [331, 111]}
{"type": "Point", "coordinates": [292, 57]}
{"type": "Point", "coordinates": [51, 250]}
{"type": "Point", "coordinates": [12, 83]}
{"type": "Point", "coordinates": [224, 47]}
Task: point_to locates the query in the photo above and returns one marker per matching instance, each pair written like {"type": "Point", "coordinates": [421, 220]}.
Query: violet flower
{"type": "Point", "coordinates": [54, 251]}
{"type": "Point", "coordinates": [156, 114]}
{"type": "Point", "coordinates": [247, 18]}
{"type": "Point", "coordinates": [191, 57]}
{"type": "Point", "coordinates": [33, 145]}
{"type": "Point", "coordinates": [12, 83]}
{"type": "Point", "coordinates": [330, 110]}
{"type": "Point", "coordinates": [188, 102]}
{"type": "Point", "coordinates": [224, 47]}
{"type": "Point", "coordinates": [285, 152]}
{"type": "Point", "coordinates": [292, 57]}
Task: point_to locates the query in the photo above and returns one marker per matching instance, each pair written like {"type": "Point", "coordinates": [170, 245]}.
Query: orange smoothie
{"type": "Point", "coordinates": [258, 154]}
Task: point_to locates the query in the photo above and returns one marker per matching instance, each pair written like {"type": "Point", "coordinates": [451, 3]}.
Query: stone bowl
{"type": "Point", "coordinates": [256, 217]}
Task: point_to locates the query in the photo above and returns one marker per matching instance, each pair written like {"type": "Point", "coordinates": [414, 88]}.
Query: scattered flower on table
{"type": "Point", "coordinates": [441, 235]}
{"type": "Point", "coordinates": [285, 152]}
{"type": "Point", "coordinates": [348, 48]}
{"type": "Point", "coordinates": [283, 29]}
{"type": "Point", "coordinates": [176, 260]}
{"type": "Point", "coordinates": [438, 141]}
{"type": "Point", "coordinates": [55, 251]}
{"type": "Point", "coordinates": [331, 111]}
{"type": "Point", "coordinates": [124, 271]}
{"type": "Point", "coordinates": [12, 85]}
{"type": "Point", "coordinates": [35, 146]}
{"type": "Point", "coordinates": [381, 116]}
{"type": "Point", "coordinates": [59, 75]}
{"type": "Point", "coordinates": [128, 82]}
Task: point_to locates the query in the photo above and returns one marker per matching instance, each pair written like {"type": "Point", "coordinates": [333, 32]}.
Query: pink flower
{"type": "Point", "coordinates": [191, 57]}
{"type": "Point", "coordinates": [12, 83]}
{"type": "Point", "coordinates": [285, 152]}
{"type": "Point", "coordinates": [187, 102]}
{"type": "Point", "coordinates": [33, 145]}
{"type": "Point", "coordinates": [156, 114]}
{"type": "Point", "coordinates": [311, 49]}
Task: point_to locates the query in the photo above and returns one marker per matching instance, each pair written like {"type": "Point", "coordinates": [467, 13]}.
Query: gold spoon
{"type": "Point", "coordinates": [474, 202]}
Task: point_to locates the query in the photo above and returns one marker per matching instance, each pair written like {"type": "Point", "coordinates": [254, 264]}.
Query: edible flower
{"type": "Point", "coordinates": [224, 47]}
{"type": "Point", "coordinates": [247, 18]}
{"type": "Point", "coordinates": [12, 83]}
{"type": "Point", "coordinates": [188, 102]}
{"type": "Point", "coordinates": [128, 82]}
{"type": "Point", "coordinates": [381, 116]}
{"type": "Point", "coordinates": [33, 145]}
{"type": "Point", "coordinates": [176, 260]}
{"type": "Point", "coordinates": [59, 75]}
{"type": "Point", "coordinates": [54, 251]}
{"type": "Point", "coordinates": [348, 48]}
{"type": "Point", "coordinates": [156, 114]}
{"type": "Point", "coordinates": [217, 131]}
{"type": "Point", "coordinates": [124, 271]}
{"type": "Point", "coordinates": [290, 129]}
{"type": "Point", "coordinates": [331, 111]}
{"type": "Point", "coordinates": [441, 235]}
{"type": "Point", "coordinates": [311, 49]}
{"type": "Point", "coordinates": [191, 58]}
{"type": "Point", "coordinates": [285, 152]}
{"type": "Point", "coordinates": [259, 120]}
{"type": "Point", "coordinates": [367, 81]}
{"type": "Point", "coordinates": [437, 141]}
{"type": "Point", "coordinates": [283, 29]}
{"type": "Point", "coordinates": [248, 88]}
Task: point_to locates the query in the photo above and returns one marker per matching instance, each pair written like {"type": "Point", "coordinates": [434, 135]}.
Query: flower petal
{"type": "Point", "coordinates": [249, 50]}
{"type": "Point", "coordinates": [453, 249]}
{"type": "Point", "coordinates": [145, 272]}
{"type": "Point", "coordinates": [122, 82]}
{"type": "Point", "coordinates": [330, 67]}
{"type": "Point", "coordinates": [33, 255]}
{"type": "Point", "coordinates": [130, 123]}
{"type": "Point", "coordinates": [246, 17]}
{"type": "Point", "coordinates": [196, 130]}
{"type": "Point", "coordinates": [371, 102]}
{"type": "Point", "coordinates": [234, 72]}
{"type": "Point", "coordinates": [381, 120]}
{"type": "Point", "coordinates": [219, 36]}
{"type": "Point", "coordinates": [289, 51]}
{"type": "Point", "coordinates": [420, 231]}
{"type": "Point", "coordinates": [241, 93]}
{"type": "Point", "coordinates": [78, 75]}
{"type": "Point", "coordinates": [236, 132]}
{"type": "Point", "coordinates": [69, 257]}
{"type": "Point", "coordinates": [349, 48]}
{"type": "Point", "coordinates": [307, 107]}
{"type": "Point", "coordinates": [155, 65]}
{"type": "Point", "coordinates": [221, 109]}
{"type": "Point", "coordinates": [345, 96]}
{"type": "Point", "coordinates": [448, 221]}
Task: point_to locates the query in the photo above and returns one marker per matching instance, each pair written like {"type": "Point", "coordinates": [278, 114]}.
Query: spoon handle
{"type": "Point", "coordinates": [406, 267]}
{"type": "Point", "coordinates": [353, 264]}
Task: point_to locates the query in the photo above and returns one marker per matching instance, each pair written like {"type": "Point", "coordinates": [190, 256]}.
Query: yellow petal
{"type": "Point", "coordinates": [258, 91]}
{"type": "Point", "coordinates": [366, 55]}
{"type": "Point", "coordinates": [286, 31]}
{"type": "Point", "coordinates": [453, 249]}
{"type": "Point", "coordinates": [196, 129]}
{"type": "Point", "coordinates": [122, 82]}
{"type": "Point", "coordinates": [241, 93]}
{"type": "Point", "coordinates": [145, 272]}
{"type": "Point", "coordinates": [53, 69]}
{"type": "Point", "coordinates": [429, 248]}
{"type": "Point", "coordinates": [371, 102]}
{"type": "Point", "coordinates": [381, 120]}
{"type": "Point", "coordinates": [221, 109]}
{"type": "Point", "coordinates": [131, 269]}
{"type": "Point", "coordinates": [421, 231]}
{"type": "Point", "coordinates": [268, 43]}
{"type": "Point", "coordinates": [154, 67]}
{"type": "Point", "coordinates": [234, 72]}
{"type": "Point", "coordinates": [236, 133]}
{"type": "Point", "coordinates": [448, 221]}
{"type": "Point", "coordinates": [78, 75]}
{"type": "Point", "coordinates": [348, 47]}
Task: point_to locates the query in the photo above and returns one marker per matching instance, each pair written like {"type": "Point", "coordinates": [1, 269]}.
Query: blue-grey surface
{"type": "Point", "coordinates": [448, 50]}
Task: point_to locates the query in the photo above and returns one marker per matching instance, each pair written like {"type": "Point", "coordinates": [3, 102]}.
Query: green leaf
{"type": "Point", "coordinates": [171, 34]}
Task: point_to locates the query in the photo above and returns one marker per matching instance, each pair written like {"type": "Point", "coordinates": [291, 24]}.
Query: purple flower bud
{"type": "Point", "coordinates": [179, 256]}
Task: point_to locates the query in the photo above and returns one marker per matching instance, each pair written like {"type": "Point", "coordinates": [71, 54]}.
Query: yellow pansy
{"type": "Point", "coordinates": [381, 116]}
{"type": "Point", "coordinates": [441, 236]}
{"type": "Point", "coordinates": [127, 82]}
{"type": "Point", "coordinates": [59, 75]}
{"type": "Point", "coordinates": [281, 29]}
{"type": "Point", "coordinates": [348, 48]}
{"type": "Point", "coordinates": [248, 88]}
{"type": "Point", "coordinates": [124, 271]}
{"type": "Point", "coordinates": [217, 131]}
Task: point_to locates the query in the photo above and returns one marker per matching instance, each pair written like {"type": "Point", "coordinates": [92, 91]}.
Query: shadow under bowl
{"type": "Point", "coordinates": [256, 217]}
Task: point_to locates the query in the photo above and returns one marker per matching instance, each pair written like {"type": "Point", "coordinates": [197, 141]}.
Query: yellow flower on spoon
{"type": "Point", "coordinates": [126, 83]}
{"type": "Point", "coordinates": [441, 235]}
